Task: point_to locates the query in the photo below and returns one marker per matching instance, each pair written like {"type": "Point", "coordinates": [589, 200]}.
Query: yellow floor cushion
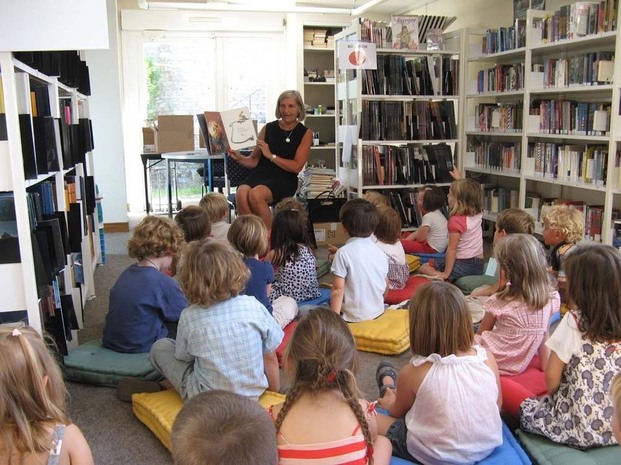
{"type": "Point", "coordinates": [413, 262]}
{"type": "Point", "coordinates": [387, 334]}
{"type": "Point", "coordinates": [158, 410]}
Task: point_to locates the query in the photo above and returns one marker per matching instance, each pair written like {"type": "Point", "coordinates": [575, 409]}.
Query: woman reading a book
{"type": "Point", "coordinates": [280, 154]}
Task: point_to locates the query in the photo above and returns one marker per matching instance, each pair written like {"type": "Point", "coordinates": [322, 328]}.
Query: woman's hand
{"type": "Point", "coordinates": [265, 149]}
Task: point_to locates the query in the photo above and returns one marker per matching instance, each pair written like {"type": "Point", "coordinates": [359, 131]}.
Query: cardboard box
{"type": "Point", "coordinates": [330, 233]}
{"type": "Point", "coordinates": [175, 133]}
{"type": "Point", "coordinates": [149, 140]}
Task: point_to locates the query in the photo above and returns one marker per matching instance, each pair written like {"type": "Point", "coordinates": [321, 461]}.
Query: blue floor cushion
{"type": "Point", "coordinates": [323, 299]}
{"type": "Point", "coordinates": [92, 363]}
{"type": "Point", "coordinates": [546, 452]}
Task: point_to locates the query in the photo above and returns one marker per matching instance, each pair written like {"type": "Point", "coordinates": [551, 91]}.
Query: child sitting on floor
{"type": "Point", "coordinates": [432, 234]}
{"type": "Point", "coordinates": [135, 320]}
{"type": "Point", "coordinates": [323, 419]}
{"type": "Point", "coordinates": [585, 356]}
{"type": "Point", "coordinates": [444, 404]}
{"type": "Point", "coordinates": [36, 428]}
{"type": "Point", "coordinates": [217, 207]}
{"type": "Point", "coordinates": [225, 340]}
{"type": "Point", "coordinates": [464, 253]}
{"type": "Point", "coordinates": [248, 235]}
{"type": "Point", "coordinates": [360, 267]}
{"type": "Point", "coordinates": [386, 236]}
{"type": "Point", "coordinates": [517, 317]}
{"type": "Point", "coordinates": [219, 427]}
{"type": "Point", "coordinates": [195, 224]}
{"type": "Point", "coordinates": [563, 228]}
{"type": "Point", "coordinates": [292, 257]}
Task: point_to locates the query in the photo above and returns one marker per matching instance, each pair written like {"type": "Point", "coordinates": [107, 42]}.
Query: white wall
{"type": "Point", "coordinates": [105, 112]}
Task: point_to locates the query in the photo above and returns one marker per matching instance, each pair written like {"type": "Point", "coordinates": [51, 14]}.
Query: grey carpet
{"type": "Point", "coordinates": [114, 434]}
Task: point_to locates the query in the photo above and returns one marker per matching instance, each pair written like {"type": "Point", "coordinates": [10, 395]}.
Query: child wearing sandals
{"type": "Point", "coordinates": [432, 234]}
{"type": "Point", "coordinates": [248, 235]}
{"type": "Point", "coordinates": [444, 405]}
{"type": "Point", "coordinates": [35, 426]}
{"type": "Point", "coordinates": [225, 340]}
{"type": "Point", "coordinates": [323, 420]}
{"type": "Point", "coordinates": [517, 317]}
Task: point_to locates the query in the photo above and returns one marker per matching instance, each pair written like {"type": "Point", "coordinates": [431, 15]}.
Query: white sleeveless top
{"type": "Point", "coordinates": [455, 417]}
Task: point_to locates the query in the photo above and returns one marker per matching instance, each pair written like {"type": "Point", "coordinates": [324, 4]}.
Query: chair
{"type": "Point", "coordinates": [235, 174]}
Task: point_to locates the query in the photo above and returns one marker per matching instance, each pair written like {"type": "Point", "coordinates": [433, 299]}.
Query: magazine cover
{"type": "Point", "coordinates": [239, 128]}
{"type": "Point", "coordinates": [404, 32]}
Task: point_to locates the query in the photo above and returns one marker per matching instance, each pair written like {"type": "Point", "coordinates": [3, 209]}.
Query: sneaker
{"type": "Point", "coordinates": [129, 386]}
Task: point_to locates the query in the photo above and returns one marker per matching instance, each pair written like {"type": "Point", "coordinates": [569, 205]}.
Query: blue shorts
{"type": "Point", "coordinates": [397, 434]}
{"type": "Point", "coordinates": [462, 267]}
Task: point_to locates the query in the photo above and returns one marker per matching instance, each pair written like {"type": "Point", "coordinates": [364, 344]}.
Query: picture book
{"type": "Point", "coordinates": [404, 32]}
{"type": "Point", "coordinates": [230, 129]}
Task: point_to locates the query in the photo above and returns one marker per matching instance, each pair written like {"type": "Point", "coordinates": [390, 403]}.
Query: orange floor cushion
{"type": "Point", "coordinates": [395, 296]}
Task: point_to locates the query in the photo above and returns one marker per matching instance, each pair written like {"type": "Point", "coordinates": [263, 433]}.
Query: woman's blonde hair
{"type": "Point", "coordinates": [215, 204]}
{"type": "Point", "coordinates": [294, 94]}
{"type": "Point", "coordinates": [440, 321]}
{"type": "Point", "coordinates": [523, 260]}
{"type": "Point", "coordinates": [212, 272]}
{"type": "Point", "coordinates": [468, 197]}
{"type": "Point", "coordinates": [32, 391]}
{"type": "Point", "coordinates": [155, 236]}
{"type": "Point", "coordinates": [569, 221]}
{"type": "Point", "coordinates": [322, 356]}
{"type": "Point", "coordinates": [248, 235]}
{"type": "Point", "coordinates": [388, 229]}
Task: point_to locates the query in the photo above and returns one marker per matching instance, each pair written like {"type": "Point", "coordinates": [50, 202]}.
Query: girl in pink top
{"type": "Point", "coordinates": [517, 316]}
{"type": "Point", "coordinates": [464, 253]}
{"type": "Point", "coordinates": [323, 421]}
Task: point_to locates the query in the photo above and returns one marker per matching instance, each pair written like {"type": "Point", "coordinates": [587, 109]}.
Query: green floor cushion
{"type": "Point", "coordinates": [387, 334]}
{"type": "Point", "coordinates": [545, 452]}
{"type": "Point", "coordinates": [158, 410]}
{"type": "Point", "coordinates": [323, 267]}
{"type": "Point", "coordinates": [92, 363]}
{"type": "Point", "coordinates": [467, 284]}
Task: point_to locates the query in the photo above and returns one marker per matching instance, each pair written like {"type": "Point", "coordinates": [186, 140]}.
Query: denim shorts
{"type": "Point", "coordinates": [462, 267]}
{"type": "Point", "coordinates": [397, 434]}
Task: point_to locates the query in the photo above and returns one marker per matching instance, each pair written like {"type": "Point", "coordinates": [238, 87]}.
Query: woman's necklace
{"type": "Point", "coordinates": [288, 138]}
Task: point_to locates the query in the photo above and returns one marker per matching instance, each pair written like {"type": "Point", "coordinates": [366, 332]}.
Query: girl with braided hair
{"type": "Point", "coordinates": [323, 420]}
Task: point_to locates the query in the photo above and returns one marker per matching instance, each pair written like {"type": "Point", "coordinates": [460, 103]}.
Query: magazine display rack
{"type": "Point", "coordinates": [48, 194]}
{"type": "Point", "coordinates": [541, 116]}
{"type": "Point", "coordinates": [397, 123]}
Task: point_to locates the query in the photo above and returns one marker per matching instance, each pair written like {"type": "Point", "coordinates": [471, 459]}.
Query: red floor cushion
{"type": "Point", "coordinates": [395, 296]}
{"type": "Point", "coordinates": [532, 378]}
{"type": "Point", "coordinates": [280, 351]}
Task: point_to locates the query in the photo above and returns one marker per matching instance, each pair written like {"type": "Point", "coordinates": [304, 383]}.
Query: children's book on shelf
{"type": "Point", "coordinates": [232, 129]}
{"type": "Point", "coordinates": [404, 32]}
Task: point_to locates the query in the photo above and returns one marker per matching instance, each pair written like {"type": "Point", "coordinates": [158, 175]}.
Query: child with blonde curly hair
{"type": "Point", "coordinates": [135, 320]}
{"type": "Point", "coordinates": [34, 425]}
{"type": "Point", "coordinates": [323, 419]}
{"type": "Point", "coordinates": [225, 340]}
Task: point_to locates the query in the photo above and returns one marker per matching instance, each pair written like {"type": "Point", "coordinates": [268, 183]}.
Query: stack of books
{"type": "Point", "coordinates": [317, 182]}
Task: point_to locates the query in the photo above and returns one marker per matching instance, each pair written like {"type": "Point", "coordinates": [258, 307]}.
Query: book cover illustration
{"type": "Point", "coordinates": [239, 128]}
{"type": "Point", "coordinates": [404, 32]}
{"type": "Point", "coordinates": [217, 140]}
{"type": "Point", "coordinates": [9, 242]}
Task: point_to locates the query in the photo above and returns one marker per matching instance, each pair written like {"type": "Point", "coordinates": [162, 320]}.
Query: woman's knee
{"type": "Point", "coordinates": [259, 196]}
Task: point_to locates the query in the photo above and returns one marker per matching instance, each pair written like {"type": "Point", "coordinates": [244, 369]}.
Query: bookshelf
{"type": "Point", "coordinates": [397, 123]}
{"type": "Point", "coordinates": [318, 93]}
{"type": "Point", "coordinates": [47, 191]}
{"type": "Point", "coordinates": [541, 115]}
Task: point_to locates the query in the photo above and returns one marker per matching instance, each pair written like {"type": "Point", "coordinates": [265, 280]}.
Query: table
{"type": "Point", "coordinates": [149, 160]}
{"type": "Point", "coordinates": [195, 156]}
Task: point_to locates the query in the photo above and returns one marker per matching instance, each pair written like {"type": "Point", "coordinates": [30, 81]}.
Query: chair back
{"type": "Point", "coordinates": [235, 172]}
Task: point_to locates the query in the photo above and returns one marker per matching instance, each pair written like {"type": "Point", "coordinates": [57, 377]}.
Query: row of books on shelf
{"type": "Point", "coordinates": [421, 75]}
{"type": "Point", "coordinates": [498, 198]}
{"type": "Point", "coordinates": [495, 155]}
{"type": "Point", "coordinates": [580, 69]}
{"type": "Point", "coordinates": [501, 78]}
{"type": "Point", "coordinates": [67, 65]}
{"type": "Point", "coordinates": [386, 165]}
{"type": "Point", "coordinates": [503, 39]}
{"type": "Point", "coordinates": [381, 33]}
{"type": "Point", "coordinates": [408, 120]}
{"type": "Point", "coordinates": [570, 163]}
{"type": "Point", "coordinates": [575, 20]}
{"type": "Point", "coordinates": [498, 117]}
{"type": "Point", "coordinates": [572, 118]}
